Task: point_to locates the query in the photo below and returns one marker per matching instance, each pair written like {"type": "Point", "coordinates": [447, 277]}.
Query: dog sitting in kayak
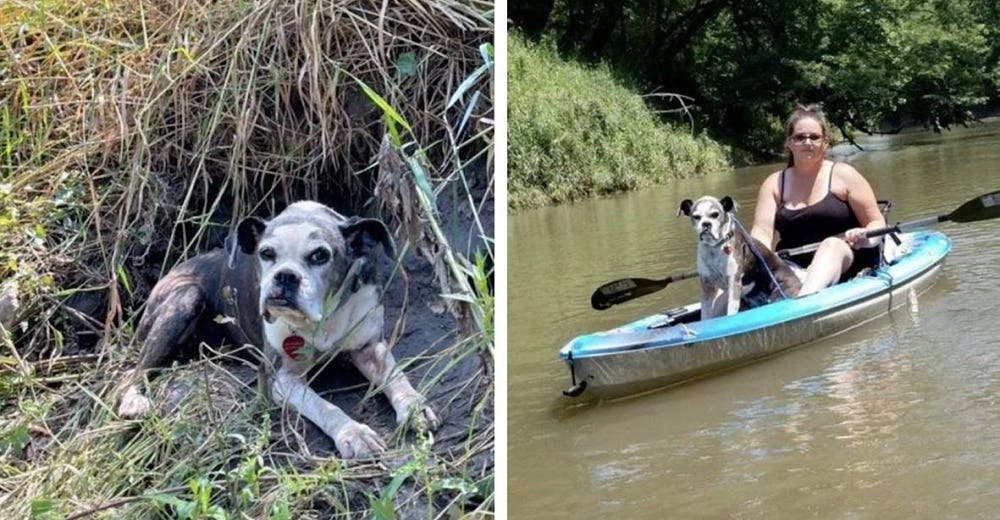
{"type": "Point", "coordinates": [730, 261]}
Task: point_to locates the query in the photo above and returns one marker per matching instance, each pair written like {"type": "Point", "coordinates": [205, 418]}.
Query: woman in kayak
{"type": "Point", "coordinates": [817, 200]}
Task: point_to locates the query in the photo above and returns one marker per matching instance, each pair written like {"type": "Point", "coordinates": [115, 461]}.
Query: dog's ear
{"type": "Point", "coordinates": [363, 234]}
{"type": "Point", "coordinates": [685, 208]}
{"type": "Point", "coordinates": [727, 203]}
{"type": "Point", "coordinates": [248, 233]}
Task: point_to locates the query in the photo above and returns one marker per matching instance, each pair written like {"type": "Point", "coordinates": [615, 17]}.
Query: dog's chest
{"type": "Point", "coordinates": [352, 325]}
{"type": "Point", "coordinates": [718, 265]}
{"type": "Point", "coordinates": [292, 342]}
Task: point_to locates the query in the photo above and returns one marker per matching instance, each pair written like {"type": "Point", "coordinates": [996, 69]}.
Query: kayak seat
{"type": "Point", "coordinates": [886, 255]}
{"type": "Point", "coordinates": [891, 248]}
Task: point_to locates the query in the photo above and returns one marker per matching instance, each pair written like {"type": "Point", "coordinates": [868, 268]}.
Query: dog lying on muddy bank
{"type": "Point", "coordinates": [299, 286]}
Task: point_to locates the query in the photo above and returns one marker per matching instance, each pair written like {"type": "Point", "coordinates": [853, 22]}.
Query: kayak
{"type": "Point", "coordinates": [675, 346]}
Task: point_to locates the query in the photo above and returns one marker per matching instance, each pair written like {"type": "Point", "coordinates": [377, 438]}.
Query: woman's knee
{"type": "Point", "coordinates": [836, 250]}
{"type": "Point", "coordinates": [834, 243]}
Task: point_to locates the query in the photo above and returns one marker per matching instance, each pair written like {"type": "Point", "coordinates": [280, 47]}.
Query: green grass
{"type": "Point", "coordinates": [217, 455]}
{"type": "Point", "coordinates": [132, 134]}
{"type": "Point", "coordinates": [575, 132]}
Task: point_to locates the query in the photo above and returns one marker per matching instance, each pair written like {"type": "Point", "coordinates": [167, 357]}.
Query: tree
{"type": "Point", "coordinates": [876, 65]}
{"type": "Point", "coordinates": [530, 16]}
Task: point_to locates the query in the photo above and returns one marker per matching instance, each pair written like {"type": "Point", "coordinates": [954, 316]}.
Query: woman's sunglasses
{"type": "Point", "coordinates": [802, 138]}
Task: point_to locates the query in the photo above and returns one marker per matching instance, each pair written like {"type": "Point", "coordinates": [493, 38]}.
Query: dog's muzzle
{"type": "Point", "coordinates": [283, 293]}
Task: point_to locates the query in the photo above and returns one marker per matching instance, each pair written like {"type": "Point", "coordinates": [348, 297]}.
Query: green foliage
{"type": "Point", "coordinates": [383, 506]}
{"type": "Point", "coordinates": [14, 440]}
{"type": "Point", "coordinates": [424, 470]}
{"type": "Point", "coordinates": [922, 63]}
{"type": "Point", "coordinates": [45, 509]}
{"type": "Point", "coordinates": [199, 506]}
{"type": "Point", "coordinates": [126, 145]}
{"type": "Point", "coordinates": [484, 294]}
{"type": "Point", "coordinates": [875, 65]}
{"type": "Point", "coordinates": [575, 132]}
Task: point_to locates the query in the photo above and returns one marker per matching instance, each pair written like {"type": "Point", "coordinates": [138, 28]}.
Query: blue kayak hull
{"type": "Point", "coordinates": [662, 350]}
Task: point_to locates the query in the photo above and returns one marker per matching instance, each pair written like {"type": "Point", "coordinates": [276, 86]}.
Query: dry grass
{"type": "Point", "coordinates": [134, 134]}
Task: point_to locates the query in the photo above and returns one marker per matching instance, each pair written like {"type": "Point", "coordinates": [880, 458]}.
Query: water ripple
{"type": "Point", "coordinates": [895, 419]}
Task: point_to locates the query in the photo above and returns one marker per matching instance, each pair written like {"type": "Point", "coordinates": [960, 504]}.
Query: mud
{"type": "Point", "coordinates": [413, 301]}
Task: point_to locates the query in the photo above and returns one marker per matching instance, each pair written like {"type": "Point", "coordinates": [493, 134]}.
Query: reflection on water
{"type": "Point", "coordinates": [894, 419]}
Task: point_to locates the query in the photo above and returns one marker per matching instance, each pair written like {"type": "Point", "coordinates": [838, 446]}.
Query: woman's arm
{"type": "Point", "coordinates": [767, 205]}
{"type": "Point", "coordinates": [862, 200]}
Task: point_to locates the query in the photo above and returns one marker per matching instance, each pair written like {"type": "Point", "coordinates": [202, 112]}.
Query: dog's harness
{"type": "Point", "coordinates": [760, 258]}
{"type": "Point", "coordinates": [725, 238]}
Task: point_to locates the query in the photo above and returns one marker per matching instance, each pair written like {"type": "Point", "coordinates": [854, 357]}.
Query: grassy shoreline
{"type": "Point", "coordinates": [576, 132]}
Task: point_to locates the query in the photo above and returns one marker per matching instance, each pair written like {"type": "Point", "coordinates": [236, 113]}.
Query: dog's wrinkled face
{"type": "Point", "coordinates": [304, 255]}
{"type": "Point", "coordinates": [709, 216]}
{"type": "Point", "coordinates": [299, 262]}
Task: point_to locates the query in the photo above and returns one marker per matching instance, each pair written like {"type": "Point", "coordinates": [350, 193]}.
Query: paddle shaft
{"type": "Point", "coordinates": [898, 228]}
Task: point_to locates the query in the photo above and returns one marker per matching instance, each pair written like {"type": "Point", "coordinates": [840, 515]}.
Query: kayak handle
{"type": "Point", "coordinates": [577, 388]}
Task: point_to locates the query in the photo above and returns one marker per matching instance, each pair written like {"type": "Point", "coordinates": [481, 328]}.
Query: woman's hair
{"type": "Point", "coordinates": [802, 112]}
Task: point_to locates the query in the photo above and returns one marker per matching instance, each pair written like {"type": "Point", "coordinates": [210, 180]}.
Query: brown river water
{"type": "Point", "coordinates": [899, 418]}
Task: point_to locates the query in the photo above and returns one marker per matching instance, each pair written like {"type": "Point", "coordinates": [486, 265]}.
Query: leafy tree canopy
{"type": "Point", "coordinates": [875, 65]}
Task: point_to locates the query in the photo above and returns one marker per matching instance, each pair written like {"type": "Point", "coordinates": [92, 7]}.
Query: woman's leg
{"type": "Point", "coordinates": [832, 259]}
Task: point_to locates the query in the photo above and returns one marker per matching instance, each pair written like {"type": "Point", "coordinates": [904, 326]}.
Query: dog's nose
{"type": "Point", "coordinates": [287, 280]}
{"type": "Point", "coordinates": [706, 225]}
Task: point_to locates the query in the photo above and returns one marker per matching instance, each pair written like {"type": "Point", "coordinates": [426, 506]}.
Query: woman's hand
{"type": "Point", "coordinates": [856, 238]}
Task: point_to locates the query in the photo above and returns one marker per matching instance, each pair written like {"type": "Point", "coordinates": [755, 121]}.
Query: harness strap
{"type": "Point", "coordinates": [760, 258]}
{"type": "Point", "coordinates": [725, 238]}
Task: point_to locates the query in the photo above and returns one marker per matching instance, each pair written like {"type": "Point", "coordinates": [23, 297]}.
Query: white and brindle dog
{"type": "Point", "coordinates": [730, 271]}
{"type": "Point", "coordinates": [299, 286]}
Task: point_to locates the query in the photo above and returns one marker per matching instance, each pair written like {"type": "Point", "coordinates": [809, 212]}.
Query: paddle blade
{"type": "Point", "coordinates": [983, 207]}
{"type": "Point", "coordinates": [618, 291]}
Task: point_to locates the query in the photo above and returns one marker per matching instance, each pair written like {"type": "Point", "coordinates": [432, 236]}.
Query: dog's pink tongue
{"type": "Point", "coordinates": [292, 344]}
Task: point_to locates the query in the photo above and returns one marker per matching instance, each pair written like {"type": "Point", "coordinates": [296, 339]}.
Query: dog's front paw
{"type": "Point", "coordinates": [134, 404]}
{"type": "Point", "coordinates": [415, 408]}
{"type": "Point", "coordinates": [356, 440]}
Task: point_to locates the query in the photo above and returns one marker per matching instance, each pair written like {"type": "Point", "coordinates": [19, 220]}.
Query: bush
{"type": "Point", "coordinates": [575, 132]}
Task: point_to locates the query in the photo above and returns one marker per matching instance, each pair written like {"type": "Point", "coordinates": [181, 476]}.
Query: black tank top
{"type": "Point", "coordinates": [830, 216]}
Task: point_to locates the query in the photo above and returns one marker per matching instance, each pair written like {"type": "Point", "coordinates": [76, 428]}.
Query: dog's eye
{"type": "Point", "coordinates": [267, 254]}
{"type": "Point", "coordinates": [714, 214]}
{"type": "Point", "coordinates": [319, 257]}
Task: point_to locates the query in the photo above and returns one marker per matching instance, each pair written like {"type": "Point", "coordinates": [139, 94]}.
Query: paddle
{"type": "Point", "coordinates": [618, 291]}
{"type": "Point", "coordinates": [983, 207]}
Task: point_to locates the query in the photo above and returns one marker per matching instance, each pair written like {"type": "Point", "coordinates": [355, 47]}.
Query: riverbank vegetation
{"type": "Point", "coordinates": [134, 135]}
{"type": "Point", "coordinates": [876, 66]}
{"type": "Point", "coordinates": [575, 131]}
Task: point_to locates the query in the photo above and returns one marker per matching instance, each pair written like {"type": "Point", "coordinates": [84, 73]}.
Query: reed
{"type": "Point", "coordinates": [133, 135]}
